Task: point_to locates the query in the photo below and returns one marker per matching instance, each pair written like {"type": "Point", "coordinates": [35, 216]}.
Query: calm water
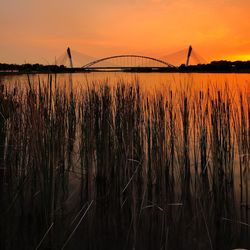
{"type": "Point", "coordinates": [150, 81]}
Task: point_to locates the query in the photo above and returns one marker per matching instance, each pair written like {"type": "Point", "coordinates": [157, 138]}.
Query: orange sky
{"type": "Point", "coordinates": [38, 30]}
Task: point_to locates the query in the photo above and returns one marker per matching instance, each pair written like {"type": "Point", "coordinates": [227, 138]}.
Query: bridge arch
{"type": "Point", "coordinates": [162, 62]}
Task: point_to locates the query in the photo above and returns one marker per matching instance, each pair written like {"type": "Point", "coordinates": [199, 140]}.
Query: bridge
{"type": "Point", "coordinates": [125, 62]}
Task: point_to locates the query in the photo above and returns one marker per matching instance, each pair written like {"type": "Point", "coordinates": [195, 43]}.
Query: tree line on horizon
{"type": "Point", "coordinates": [214, 66]}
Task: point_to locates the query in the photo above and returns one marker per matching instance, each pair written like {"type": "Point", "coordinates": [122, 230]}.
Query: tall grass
{"type": "Point", "coordinates": [119, 167]}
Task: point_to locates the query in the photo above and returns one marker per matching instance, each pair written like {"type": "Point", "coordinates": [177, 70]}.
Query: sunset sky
{"type": "Point", "coordinates": [40, 30]}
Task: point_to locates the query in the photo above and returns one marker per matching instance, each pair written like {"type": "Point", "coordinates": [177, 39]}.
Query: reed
{"type": "Point", "coordinates": [150, 168]}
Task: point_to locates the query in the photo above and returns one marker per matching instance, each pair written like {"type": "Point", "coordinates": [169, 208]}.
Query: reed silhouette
{"type": "Point", "coordinates": [113, 167]}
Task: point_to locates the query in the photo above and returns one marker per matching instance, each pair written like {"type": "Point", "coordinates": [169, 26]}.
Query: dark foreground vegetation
{"type": "Point", "coordinates": [215, 66]}
{"type": "Point", "coordinates": [114, 168]}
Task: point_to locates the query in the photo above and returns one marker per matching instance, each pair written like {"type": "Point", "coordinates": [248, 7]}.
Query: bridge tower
{"type": "Point", "coordinates": [70, 57]}
{"type": "Point", "coordinates": [189, 54]}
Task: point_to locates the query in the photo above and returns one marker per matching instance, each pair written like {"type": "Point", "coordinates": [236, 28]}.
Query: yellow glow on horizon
{"type": "Point", "coordinates": [241, 57]}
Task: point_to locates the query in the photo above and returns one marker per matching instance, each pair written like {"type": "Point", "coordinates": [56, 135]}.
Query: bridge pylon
{"type": "Point", "coordinates": [70, 57]}
{"type": "Point", "coordinates": [189, 54]}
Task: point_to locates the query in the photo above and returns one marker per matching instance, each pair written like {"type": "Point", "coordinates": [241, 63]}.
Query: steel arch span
{"type": "Point", "coordinates": [164, 63]}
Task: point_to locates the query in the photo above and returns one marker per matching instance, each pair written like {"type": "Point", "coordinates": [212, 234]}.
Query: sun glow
{"type": "Point", "coordinates": [241, 57]}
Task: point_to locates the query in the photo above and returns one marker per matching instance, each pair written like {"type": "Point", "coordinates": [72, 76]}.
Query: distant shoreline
{"type": "Point", "coordinates": [111, 71]}
{"type": "Point", "coordinates": [213, 67]}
